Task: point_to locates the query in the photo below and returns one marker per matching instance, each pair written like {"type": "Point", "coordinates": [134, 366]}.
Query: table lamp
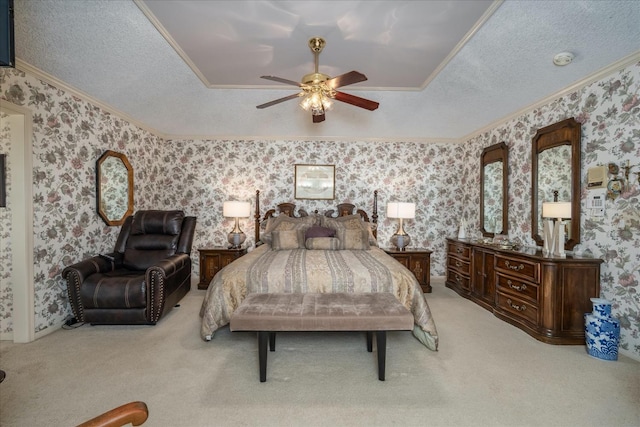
{"type": "Point", "coordinates": [554, 240]}
{"type": "Point", "coordinates": [401, 211]}
{"type": "Point", "coordinates": [236, 210]}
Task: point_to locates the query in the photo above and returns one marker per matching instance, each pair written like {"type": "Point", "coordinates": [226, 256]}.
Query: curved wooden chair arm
{"type": "Point", "coordinates": [134, 413]}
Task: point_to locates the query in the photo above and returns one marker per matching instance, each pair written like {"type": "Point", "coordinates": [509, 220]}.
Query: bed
{"type": "Point", "coordinates": [300, 252]}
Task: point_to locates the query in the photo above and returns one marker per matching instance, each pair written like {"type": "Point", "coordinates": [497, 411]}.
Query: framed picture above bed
{"type": "Point", "coordinates": [315, 182]}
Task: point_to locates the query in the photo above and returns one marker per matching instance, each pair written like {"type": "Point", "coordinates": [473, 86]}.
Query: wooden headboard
{"type": "Point", "coordinates": [288, 209]}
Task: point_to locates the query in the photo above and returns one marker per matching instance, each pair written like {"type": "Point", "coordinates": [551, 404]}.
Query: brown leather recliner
{"type": "Point", "coordinates": [142, 279]}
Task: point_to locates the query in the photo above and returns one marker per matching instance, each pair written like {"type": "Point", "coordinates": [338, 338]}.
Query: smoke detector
{"type": "Point", "coordinates": [563, 58]}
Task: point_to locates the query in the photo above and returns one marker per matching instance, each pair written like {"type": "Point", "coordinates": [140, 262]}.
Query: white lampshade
{"type": "Point", "coordinates": [556, 210]}
{"type": "Point", "coordinates": [236, 209]}
{"type": "Point", "coordinates": [401, 210]}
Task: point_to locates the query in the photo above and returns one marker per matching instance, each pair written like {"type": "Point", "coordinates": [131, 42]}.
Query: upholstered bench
{"type": "Point", "coordinates": [279, 312]}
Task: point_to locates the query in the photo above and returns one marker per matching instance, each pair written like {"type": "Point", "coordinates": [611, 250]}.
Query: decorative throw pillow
{"type": "Point", "coordinates": [353, 223]}
{"type": "Point", "coordinates": [323, 243]}
{"type": "Point", "coordinates": [287, 239]}
{"type": "Point", "coordinates": [284, 222]}
{"type": "Point", "coordinates": [354, 239]}
{"type": "Point", "coordinates": [347, 221]}
{"type": "Point", "coordinates": [319, 231]}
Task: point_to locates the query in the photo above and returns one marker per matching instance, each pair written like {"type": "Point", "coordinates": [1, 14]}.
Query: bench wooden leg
{"type": "Point", "coordinates": [369, 341]}
{"type": "Point", "coordinates": [262, 354]}
{"type": "Point", "coordinates": [381, 344]}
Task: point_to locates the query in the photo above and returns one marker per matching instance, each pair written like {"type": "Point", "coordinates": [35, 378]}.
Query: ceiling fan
{"type": "Point", "coordinates": [318, 89]}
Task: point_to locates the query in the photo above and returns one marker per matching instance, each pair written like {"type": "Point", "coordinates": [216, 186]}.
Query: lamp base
{"type": "Point", "coordinates": [400, 241]}
{"type": "Point", "coordinates": [236, 239]}
{"type": "Point", "coordinates": [558, 239]}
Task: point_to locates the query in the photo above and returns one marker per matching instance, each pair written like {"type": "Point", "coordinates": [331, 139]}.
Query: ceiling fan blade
{"type": "Point", "coordinates": [318, 118]}
{"type": "Point", "coordinates": [356, 100]}
{"type": "Point", "coordinates": [346, 79]}
{"type": "Point", "coordinates": [281, 80]}
{"type": "Point", "coordinates": [278, 101]}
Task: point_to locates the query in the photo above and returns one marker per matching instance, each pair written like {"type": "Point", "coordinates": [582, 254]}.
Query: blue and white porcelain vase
{"type": "Point", "coordinates": [602, 331]}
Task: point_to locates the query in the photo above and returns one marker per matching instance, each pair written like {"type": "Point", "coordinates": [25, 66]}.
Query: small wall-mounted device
{"type": "Point", "coordinates": [597, 177]}
{"type": "Point", "coordinates": [595, 202]}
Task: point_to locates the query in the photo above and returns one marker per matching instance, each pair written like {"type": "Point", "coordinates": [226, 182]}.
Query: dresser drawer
{"type": "Point", "coordinates": [459, 265]}
{"type": "Point", "coordinates": [518, 266]}
{"type": "Point", "coordinates": [459, 280]}
{"type": "Point", "coordinates": [517, 287]}
{"type": "Point", "coordinates": [460, 250]}
{"type": "Point", "coordinates": [517, 308]}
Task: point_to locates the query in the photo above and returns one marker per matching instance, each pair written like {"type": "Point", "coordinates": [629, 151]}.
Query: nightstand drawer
{"type": "Point", "coordinates": [418, 261]}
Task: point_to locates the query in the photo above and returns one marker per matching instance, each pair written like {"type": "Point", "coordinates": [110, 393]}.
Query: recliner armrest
{"type": "Point", "coordinates": [169, 266]}
{"type": "Point", "coordinates": [96, 264]}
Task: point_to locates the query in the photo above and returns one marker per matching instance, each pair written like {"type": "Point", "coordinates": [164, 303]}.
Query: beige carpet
{"type": "Point", "coordinates": [486, 373]}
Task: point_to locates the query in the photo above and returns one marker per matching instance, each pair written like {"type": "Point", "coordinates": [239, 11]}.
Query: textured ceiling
{"type": "Point", "coordinates": [440, 70]}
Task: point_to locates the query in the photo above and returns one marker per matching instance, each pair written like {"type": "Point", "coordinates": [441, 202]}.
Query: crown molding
{"type": "Point", "coordinates": [308, 138]}
{"type": "Point", "coordinates": [604, 72]}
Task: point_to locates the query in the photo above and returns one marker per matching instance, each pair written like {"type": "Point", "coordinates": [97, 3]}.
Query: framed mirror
{"type": "Point", "coordinates": [494, 205]}
{"type": "Point", "coordinates": [114, 192]}
{"type": "Point", "coordinates": [555, 176]}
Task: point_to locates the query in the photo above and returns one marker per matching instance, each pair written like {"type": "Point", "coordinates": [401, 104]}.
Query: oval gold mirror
{"type": "Point", "coordinates": [494, 206]}
{"type": "Point", "coordinates": [555, 176]}
{"type": "Point", "coordinates": [114, 193]}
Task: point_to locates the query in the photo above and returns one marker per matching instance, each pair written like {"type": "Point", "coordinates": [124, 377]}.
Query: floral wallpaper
{"type": "Point", "coordinates": [6, 297]}
{"type": "Point", "coordinates": [441, 178]}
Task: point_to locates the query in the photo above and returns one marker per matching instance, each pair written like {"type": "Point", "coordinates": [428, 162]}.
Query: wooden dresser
{"type": "Point", "coordinates": [544, 296]}
{"type": "Point", "coordinates": [215, 259]}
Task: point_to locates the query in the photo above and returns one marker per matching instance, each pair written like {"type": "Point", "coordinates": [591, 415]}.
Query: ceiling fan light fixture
{"type": "Point", "coordinates": [316, 102]}
{"type": "Point", "coordinates": [318, 90]}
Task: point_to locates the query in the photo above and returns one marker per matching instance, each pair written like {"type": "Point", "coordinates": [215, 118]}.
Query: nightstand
{"type": "Point", "coordinates": [418, 261]}
{"type": "Point", "coordinates": [213, 260]}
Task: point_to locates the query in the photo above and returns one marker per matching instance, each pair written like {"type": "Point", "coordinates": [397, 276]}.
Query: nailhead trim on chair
{"type": "Point", "coordinates": [75, 305]}
{"type": "Point", "coordinates": [153, 316]}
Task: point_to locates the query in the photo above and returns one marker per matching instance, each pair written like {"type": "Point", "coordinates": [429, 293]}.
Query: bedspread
{"type": "Point", "coordinates": [265, 270]}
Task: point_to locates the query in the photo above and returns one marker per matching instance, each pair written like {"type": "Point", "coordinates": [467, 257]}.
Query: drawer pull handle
{"type": "Point", "coordinates": [458, 279]}
{"type": "Point", "coordinates": [519, 288]}
{"type": "Point", "coordinates": [514, 267]}
{"type": "Point", "coordinates": [459, 250]}
{"type": "Point", "coordinates": [458, 264]}
{"type": "Point", "coordinates": [516, 306]}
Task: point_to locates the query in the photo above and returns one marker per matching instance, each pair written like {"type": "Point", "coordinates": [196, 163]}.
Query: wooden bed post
{"type": "Point", "coordinates": [256, 232]}
{"type": "Point", "coordinates": [374, 215]}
